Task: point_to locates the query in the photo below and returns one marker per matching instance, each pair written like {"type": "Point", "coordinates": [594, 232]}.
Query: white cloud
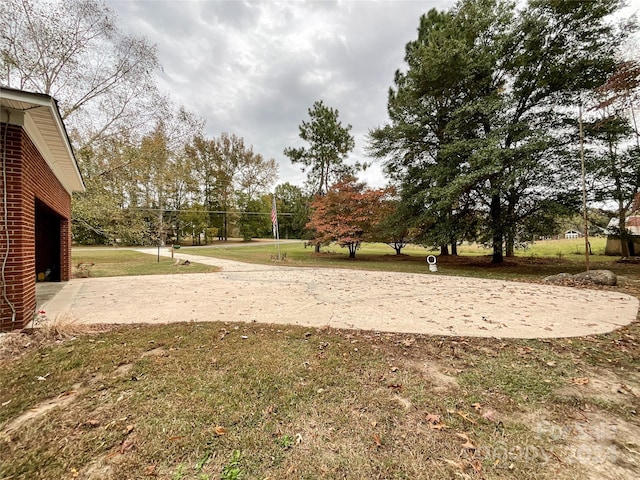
{"type": "Point", "coordinates": [253, 68]}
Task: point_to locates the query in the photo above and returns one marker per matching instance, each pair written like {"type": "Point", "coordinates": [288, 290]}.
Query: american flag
{"type": "Point", "coordinates": [274, 216]}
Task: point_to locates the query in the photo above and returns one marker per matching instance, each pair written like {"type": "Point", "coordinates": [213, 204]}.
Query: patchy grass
{"type": "Point", "coordinates": [205, 401]}
{"type": "Point", "coordinates": [115, 263]}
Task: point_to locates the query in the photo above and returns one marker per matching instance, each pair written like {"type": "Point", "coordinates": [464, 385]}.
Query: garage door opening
{"type": "Point", "coordinates": [48, 227]}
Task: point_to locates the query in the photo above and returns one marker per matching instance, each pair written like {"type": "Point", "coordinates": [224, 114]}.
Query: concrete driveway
{"type": "Point", "coordinates": [381, 301]}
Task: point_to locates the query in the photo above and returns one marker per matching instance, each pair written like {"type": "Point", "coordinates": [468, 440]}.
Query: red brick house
{"type": "Point", "coordinates": [38, 173]}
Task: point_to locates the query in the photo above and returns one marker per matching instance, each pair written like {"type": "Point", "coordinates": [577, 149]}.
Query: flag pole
{"type": "Point", "coordinates": [274, 223]}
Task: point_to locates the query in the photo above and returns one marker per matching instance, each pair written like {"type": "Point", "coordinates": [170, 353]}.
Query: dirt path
{"type": "Point", "coordinates": [383, 301]}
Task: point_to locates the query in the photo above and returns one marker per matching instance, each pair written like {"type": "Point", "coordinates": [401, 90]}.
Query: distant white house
{"type": "Point", "coordinates": [572, 234]}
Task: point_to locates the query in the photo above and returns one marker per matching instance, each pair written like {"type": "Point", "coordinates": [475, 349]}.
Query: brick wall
{"type": "Point", "coordinates": [28, 178]}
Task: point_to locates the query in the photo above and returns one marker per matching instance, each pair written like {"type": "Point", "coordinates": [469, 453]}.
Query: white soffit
{"type": "Point", "coordinates": [43, 124]}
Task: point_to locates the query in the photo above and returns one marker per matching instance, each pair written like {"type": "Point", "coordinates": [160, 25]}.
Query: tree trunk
{"type": "Point", "coordinates": [398, 249]}
{"type": "Point", "coordinates": [454, 248]}
{"type": "Point", "coordinates": [624, 235]}
{"type": "Point", "coordinates": [509, 230]}
{"type": "Point", "coordinates": [496, 227]}
{"type": "Point", "coordinates": [318, 247]}
{"type": "Point", "coordinates": [619, 193]}
{"type": "Point", "coordinates": [352, 250]}
{"type": "Point", "coordinates": [444, 250]}
{"type": "Point", "coordinates": [509, 245]}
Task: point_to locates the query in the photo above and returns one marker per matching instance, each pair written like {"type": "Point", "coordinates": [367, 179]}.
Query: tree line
{"type": "Point", "coordinates": [488, 118]}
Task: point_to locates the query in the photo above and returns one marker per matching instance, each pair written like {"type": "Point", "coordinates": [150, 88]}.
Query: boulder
{"type": "Point", "coordinates": [559, 278]}
{"type": "Point", "coordinates": [598, 277]}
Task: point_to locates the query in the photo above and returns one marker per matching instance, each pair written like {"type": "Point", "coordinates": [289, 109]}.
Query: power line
{"type": "Point", "coordinates": [227, 212]}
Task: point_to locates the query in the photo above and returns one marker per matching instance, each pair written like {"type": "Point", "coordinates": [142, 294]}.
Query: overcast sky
{"type": "Point", "coordinates": [254, 68]}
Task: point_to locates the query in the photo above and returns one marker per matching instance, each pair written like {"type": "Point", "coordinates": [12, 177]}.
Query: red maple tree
{"type": "Point", "coordinates": [347, 214]}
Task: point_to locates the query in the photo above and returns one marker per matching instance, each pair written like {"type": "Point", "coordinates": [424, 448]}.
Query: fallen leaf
{"type": "Point", "coordinates": [4, 404]}
{"type": "Point", "coordinates": [395, 386]}
{"type": "Point", "coordinates": [580, 380]}
{"type": "Point", "coordinates": [438, 426]}
{"type": "Point", "coordinates": [466, 417]}
{"type": "Point", "coordinates": [467, 445]}
{"type": "Point", "coordinates": [409, 341]}
{"type": "Point", "coordinates": [623, 388]}
{"type": "Point", "coordinates": [490, 415]}
{"type": "Point", "coordinates": [92, 423]}
{"type": "Point", "coordinates": [128, 430]}
{"type": "Point", "coordinates": [220, 430]}
{"type": "Point", "coordinates": [476, 465]}
{"type": "Point", "coordinates": [176, 437]}
{"type": "Point", "coordinates": [126, 446]}
{"type": "Point", "coordinates": [432, 418]}
{"type": "Point", "coordinates": [298, 438]}
{"type": "Point", "coordinates": [150, 471]}
{"type": "Point", "coordinates": [377, 440]}
{"type": "Point", "coordinates": [477, 406]}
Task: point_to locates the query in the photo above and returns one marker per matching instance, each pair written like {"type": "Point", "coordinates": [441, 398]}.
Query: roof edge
{"type": "Point", "coordinates": [75, 184]}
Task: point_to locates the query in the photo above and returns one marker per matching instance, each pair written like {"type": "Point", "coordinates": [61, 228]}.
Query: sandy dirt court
{"type": "Point", "coordinates": [382, 301]}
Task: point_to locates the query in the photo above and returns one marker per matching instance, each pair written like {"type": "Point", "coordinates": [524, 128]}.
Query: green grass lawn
{"type": "Point", "coordinates": [571, 248]}
{"type": "Point", "coordinates": [536, 261]}
{"type": "Point", "coordinates": [533, 263]}
{"type": "Point", "coordinates": [114, 263]}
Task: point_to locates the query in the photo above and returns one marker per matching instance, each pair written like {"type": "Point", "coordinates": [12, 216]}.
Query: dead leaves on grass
{"type": "Point", "coordinates": [126, 446]}
{"type": "Point", "coordinates": [466, 417]}
{"type": "Point", "coordinates": [580, 380]}
{"type": "Point", "coordinates": [433, 419]}
{"type": "Point", "coordinates": [435, 422]}
{"type": "Point", "coordinates": [466, 445]}
{"type": "Point", "coordinates": [150, 471]}
{"type": "Point", "coordinates": [469, 462]}
{"type": "Point", "coordinates": [465, 464]}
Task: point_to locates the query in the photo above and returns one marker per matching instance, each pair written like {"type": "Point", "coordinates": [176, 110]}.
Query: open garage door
{"type": "Point", "coordinates": [48, 225]}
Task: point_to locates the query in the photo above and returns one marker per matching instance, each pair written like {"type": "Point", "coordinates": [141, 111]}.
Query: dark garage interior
{"type": "Point", "coordinates": [47, 244]}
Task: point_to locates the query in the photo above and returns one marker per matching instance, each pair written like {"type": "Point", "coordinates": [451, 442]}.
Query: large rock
{"type": "Point", "coordinates": [596, 277]}
{"type": "Point", "coordinates": [599, 277]}
{"type": "Point", "coordinates": [559, 278]}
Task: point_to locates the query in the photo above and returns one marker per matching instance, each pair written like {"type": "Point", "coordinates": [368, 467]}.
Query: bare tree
{"type": "Point", "coordinates": [73, 50]}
